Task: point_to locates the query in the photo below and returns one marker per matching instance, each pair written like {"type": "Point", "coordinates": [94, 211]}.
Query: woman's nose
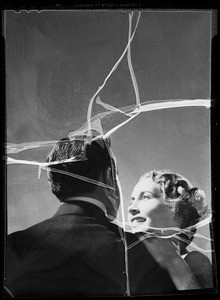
{"type": "Point", "coordinates": [133, 209]}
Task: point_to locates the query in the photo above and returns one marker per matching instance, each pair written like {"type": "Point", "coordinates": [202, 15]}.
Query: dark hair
{"type": "Point", "coordinates": [185, 213]}
{"type": "Point", "coordinates": [94, 158]}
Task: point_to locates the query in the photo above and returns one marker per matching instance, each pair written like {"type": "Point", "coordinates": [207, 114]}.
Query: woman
{"type": "Point", "coordinates": [165, 206]}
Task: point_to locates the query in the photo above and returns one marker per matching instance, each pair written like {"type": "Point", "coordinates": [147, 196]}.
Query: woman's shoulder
{"type": "Point", "coordinates": [196, 259]}
{"type": "Point", "coordinates": [201, 266]}
{"type": "Point", "coordinates": [196, 254]}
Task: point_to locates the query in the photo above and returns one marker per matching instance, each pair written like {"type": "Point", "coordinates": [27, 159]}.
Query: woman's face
{"type": "Point", "coordinates": [147, 208]}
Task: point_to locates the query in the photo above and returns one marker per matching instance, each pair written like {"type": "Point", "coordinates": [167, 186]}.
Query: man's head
{"type": "Point", "coordinates": [92, 160]}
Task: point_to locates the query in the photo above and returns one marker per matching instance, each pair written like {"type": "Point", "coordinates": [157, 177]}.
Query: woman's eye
{"type": "Point", "coordinates": [146, 197]}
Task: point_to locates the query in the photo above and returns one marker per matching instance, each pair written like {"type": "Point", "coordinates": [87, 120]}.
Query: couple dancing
{"type": "Point", "coordinates": [80, 252]}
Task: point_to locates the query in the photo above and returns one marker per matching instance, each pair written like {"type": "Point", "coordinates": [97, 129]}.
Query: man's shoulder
{"type": "Point", "coordinates": [114, 228]}
{"type": "Point", "coordinates": [29, 233]}
{"type": "Point", "coordinates": [131, 238]}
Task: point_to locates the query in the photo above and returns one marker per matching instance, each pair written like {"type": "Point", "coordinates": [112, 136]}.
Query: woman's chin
{"type": "Point", "coordinates": [139, 227]}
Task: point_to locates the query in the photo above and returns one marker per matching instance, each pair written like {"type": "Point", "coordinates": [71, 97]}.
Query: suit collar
{"type": "Point", "coordinates": [87, 199]}
{"type": "Point", "coordinates": [82, 208]}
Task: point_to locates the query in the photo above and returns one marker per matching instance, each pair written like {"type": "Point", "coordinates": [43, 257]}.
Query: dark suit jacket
{"type": "Point", "coordinates": [78, 252]}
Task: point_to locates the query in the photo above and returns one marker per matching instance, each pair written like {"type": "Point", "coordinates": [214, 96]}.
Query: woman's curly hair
{"type": "Point", "coordinates": [180, 197]}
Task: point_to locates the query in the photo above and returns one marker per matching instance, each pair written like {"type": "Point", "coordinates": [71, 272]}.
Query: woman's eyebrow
{"type": "Point", "coordinates": [148, 192]}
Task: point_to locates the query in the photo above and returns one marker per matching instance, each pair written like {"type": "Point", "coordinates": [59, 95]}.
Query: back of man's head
{"type": "Point", "coordinates": [91, 160]}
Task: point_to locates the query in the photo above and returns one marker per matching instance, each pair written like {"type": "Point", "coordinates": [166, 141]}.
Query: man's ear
{"type": "Point", "coordinates": [108, 176]}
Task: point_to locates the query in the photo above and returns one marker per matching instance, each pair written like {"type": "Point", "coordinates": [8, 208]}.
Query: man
{"type": "Point", "coordinates": [79, 252]}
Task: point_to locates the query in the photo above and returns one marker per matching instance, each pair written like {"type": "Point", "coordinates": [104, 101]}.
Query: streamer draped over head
{"type": "Point", "coordinates": [87, 171]}
{"type": "Point", "coordinates": [103, 116]}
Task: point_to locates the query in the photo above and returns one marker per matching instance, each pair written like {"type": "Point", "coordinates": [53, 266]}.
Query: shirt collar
{"type": "Point", "coordinates": [86, 199]}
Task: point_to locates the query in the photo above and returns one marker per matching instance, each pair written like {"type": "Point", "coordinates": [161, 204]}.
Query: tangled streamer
{"type": "Point", "coordinates": [130, 112]}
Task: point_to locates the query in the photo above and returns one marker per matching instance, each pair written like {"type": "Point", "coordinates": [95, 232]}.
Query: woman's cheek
{"type": "Point", "coordinates": [150, 207]}
{"type": "Point", "coordinates": [129, 217]}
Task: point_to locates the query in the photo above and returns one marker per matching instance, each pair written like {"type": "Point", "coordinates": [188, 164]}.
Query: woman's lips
{"type": "Point", "coordinates": [138, 220]}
